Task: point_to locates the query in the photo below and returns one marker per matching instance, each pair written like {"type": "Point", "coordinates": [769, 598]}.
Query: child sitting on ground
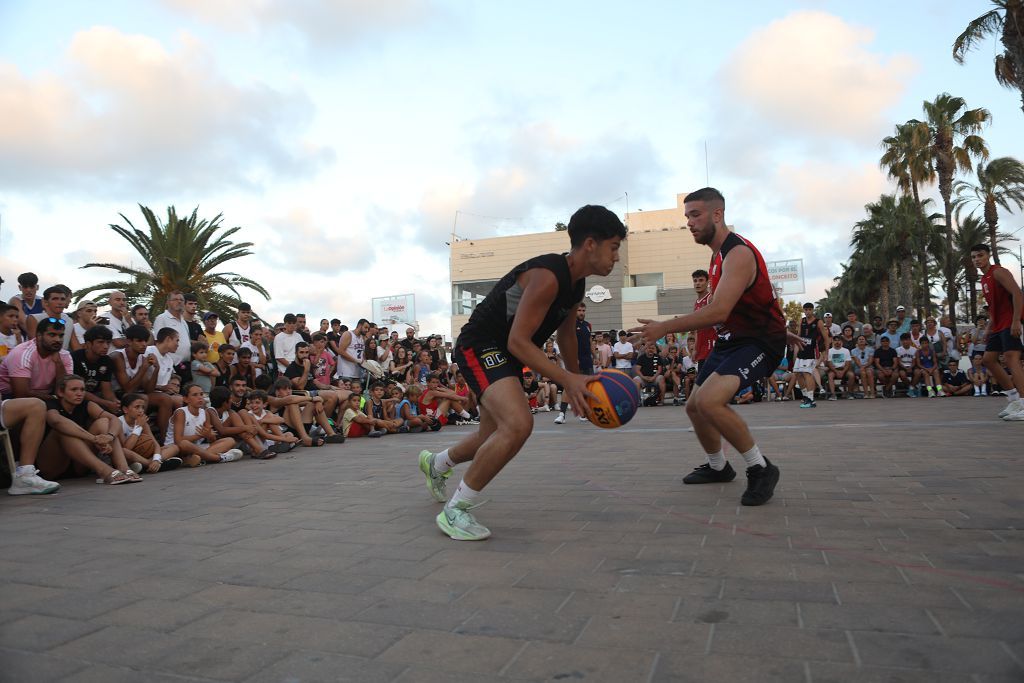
{"type": "Point", "coordinates": [978, 374]}
{"type": "Point", "coordinates": [227, 422]}
{"type": "Point", "coordinates": [409, 411]}
{"type": "Point", "coordinates": [137, 440]}
{"type": "Point", "coordinates": [203, 371]}
{"type": "Point", "coordinates": [355, 423]}
{"type": "Point", "coordinates": [270, 426]}
{"type": "Point", "coordinates": [376, 407]}
{"type": "Point", "coordinates": [190, 430]}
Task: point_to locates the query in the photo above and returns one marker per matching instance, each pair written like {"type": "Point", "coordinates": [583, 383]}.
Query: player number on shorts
{"type": "Point", "coordinates": [493, 359]}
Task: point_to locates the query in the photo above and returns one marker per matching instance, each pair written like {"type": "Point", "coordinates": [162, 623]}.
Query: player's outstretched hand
{"type": "Point", "coordinates": [796, 340]}
{"type": "Point", "coordinates": [648, 330]}
{"type": "Point", "coordinates": [576, 393]}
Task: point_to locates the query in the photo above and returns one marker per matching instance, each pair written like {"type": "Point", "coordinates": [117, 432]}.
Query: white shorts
{"type": "Point", "coordinates": [805, 365]}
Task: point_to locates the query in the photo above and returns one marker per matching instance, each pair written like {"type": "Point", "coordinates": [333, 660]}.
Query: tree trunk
{"type": "Point", "coordinates": [883, 295]}
{"type": "Point", "coordinates": [907, 283]}
{"type": "Point", "coordinates": [926, 286]}
{"type": "Point", "coordinates": [992, 221]}
{"type": "Point", "coordinates": [945, 169]}
{"type": "Point", "coordinates": [972, 288]}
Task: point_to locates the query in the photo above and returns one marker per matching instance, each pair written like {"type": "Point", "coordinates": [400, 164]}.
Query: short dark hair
{"type": "Point", "coordinates": [136, 332]}
{"type": "Point", "coordinates": [808, 305]}
{"type": "Point", "coordinates": [219, 396]}
{"type": "Point", "coordinates": [905, 335]}
{"type": "Point", "coordinates": [289, 318]}
{"type": "Point", "coordinates": [361, 321]}
{"type": "Point", "coordinates": [335, 321]}
{"type": "Point", "coordinates": [4, 307]}
{"type": "Point", "coordinates": [982, 247]}
{"type": "Point", "coordinates": [376, 385]}
{"type": "Point", "coordinates": [282, 383]}
{"type": "Point", "coordinates": [164, 333]}
{"type": "Point", "coordinates": [28, 280]}
{"type": "Point", "coordinates": [259, 395]}
{"type": "Point", "coordinates": [704, 194]}
{"type": "Point", "coordinates": [130, 398]}
{"type": "Point", "coordinates": [595, 222]}
{"type": "Point", "coordinates": [199, 346]}
{"type": "Point", "coordinates": [47, 323]}
{"type": "Point", "coordinates": [244, 306]}
{"type": "Point", "coordinates": [98, 333]}
{"type": "Point", "coordinates": [244, 352]}
{"type": "Point", "coordinates": [317, 336]}
{"type": "Point", "coordinates": [301, 345]}
{"type": "Point", "coordinates": [191, 297]}
{"type": "Point", "coordinates": [225, 347]}
{"type": "Point", "coordinates": [700, 272]}
{"type": "Point", "coordinates": [137, 307]}
{"type": "Point", "coordinates": [56, 289]}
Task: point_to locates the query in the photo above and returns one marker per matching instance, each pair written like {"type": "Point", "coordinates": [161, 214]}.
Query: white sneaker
{"type": "Point", "coordinates": [560, 419]}
{"type": "Point", "coordinates": [136, 467]}
{"type": "Point", "coordinates": [231, 456]}
{"type": "Point", "coordinates": [1015, 417]}
{"type": "Point", "coordinates": [31, 484]}
{"type": "Point", "coordinates": [583, 419]}
{"type": "Point", "coordinates": [1014, 406]}
{"type": "Point", "coordinates": [546, 409]}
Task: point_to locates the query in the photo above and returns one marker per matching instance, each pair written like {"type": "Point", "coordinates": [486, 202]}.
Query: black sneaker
{"type": "Point", "coordinates": [706, 474]}
{"type": "Point", "coordinates": [761, 481]}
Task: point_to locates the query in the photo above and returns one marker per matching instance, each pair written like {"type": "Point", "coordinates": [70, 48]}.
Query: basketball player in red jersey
{"type": "Point", "coordinates": [751, 340]}
{"type": "Point", "coordinates": [1006, 311]}
{"type": "Point", "coordinates": [706, 335]}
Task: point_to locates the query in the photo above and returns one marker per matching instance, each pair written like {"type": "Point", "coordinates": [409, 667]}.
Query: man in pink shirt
{"type": "Point", "coordinates": [32, 368]}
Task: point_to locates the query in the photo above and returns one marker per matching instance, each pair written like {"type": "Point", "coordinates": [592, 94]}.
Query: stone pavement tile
{"type": "Point", "coordinates": [525, 624]}
{"type": "Point", "coordinates": [360, 639]}
{"type": "Point", "coordinates": [997, 624]}
{"type": "Point", "coordinates": [271, 576]}
{"type": "Point", "coordinates": [280, 601]}
{"type": "Point", "coordinates": [742, 570]}
{"type": "Point", "coordinates": [415, 614]}
{"type": "Point", "coordinates": [82, 605]}
{"type": "Point", "coordinates": [38, 667]}
{"type": "Point", "coordinates": [37, 633]}
{"type": "Point", "coordinates": [470, 574]}
{"type": "Point", "coordinates": [671, 585]}
{"type": "Point", "coordinates": [933, 653]}
{"type": "Point", "coordinates": [982, 597]}
{"type": "Point", "coordinates": [126, 673]}
{"type": "Point", "coordinates": [152, 613]}
{"type": "Point", "coordinates": [551, 661]}
{"type": "Point", "coordinates": [643, 634]}
{"type": "Point", "coordinates": [832, 672]}
{"type": "Point", "coordinates": [655, 607]}
{"type": "Point", "coordinates": [713, 611]}
{"type": "Point", "coordinates": [399, 569]}
{"type": "Point", "coordinates": [221, 659]}
{"type": "Point", "coordinates": [810, 644]}
{"type": "Point", "coordinates": [874, 593]}
{"type": "Point", "coordinates": [454, 651]}
{"type": "Point", "coordinates": [14, 595]}
{"type": "Point", "coordinates": [537, 599]}
{"type": "Point", "coordinates": [323, 667]}
{"type": "Point", "coordinates": [161, 587]}
{"type": "Point", "coordinates": [766, 589]}
{"type": "Point", "coordinates": [568, 580]}
{"type": "Point", "coordinates": [441, 592]}
{"type": "Point", "coordinates": [848, 572]}
{"type": "Point", "coordinates": [860, 617]}
{"type": "Point", "coordinates": [695, 667]}
{"type": "Point", "coordinates": [109, 644]}
{"type": "Point", "coordinates": [439, 675]}
{"type": "Point", "coordinates": [332, 582]}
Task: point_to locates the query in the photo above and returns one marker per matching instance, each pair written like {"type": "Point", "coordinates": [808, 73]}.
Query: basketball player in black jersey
{"type": "Point", "coordinates": [506, 331]}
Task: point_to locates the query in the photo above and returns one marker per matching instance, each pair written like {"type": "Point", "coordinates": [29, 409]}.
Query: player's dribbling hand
{"type": "Point", "coordinates": [576, 393]}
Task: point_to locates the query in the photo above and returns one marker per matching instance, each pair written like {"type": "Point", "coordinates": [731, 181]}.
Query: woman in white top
{"type": "Point", "coordinates": [193, 434]}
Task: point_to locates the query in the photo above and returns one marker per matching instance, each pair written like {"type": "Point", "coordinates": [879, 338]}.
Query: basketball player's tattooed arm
{"type": "Point", "coordinates": [738, 271]}
{"type": "Point", "coordinates": [540, 287]}
{"type": "Point", "coordinates": [1004, 278]}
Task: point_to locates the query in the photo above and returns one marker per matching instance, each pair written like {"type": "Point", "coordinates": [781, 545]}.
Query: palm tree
{"type": "Point", "coordinates": [972, 230]}
{"type": "Point", "coordinates": [180, 254]}
{"type": "Point", "coordinates": [953, 142]}
{"type": "Point", "coordinates": [1007, 20]}
{"type": "Point", "coordinates": [1000, 184]}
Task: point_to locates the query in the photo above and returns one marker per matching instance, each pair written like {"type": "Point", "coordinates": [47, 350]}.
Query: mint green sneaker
{"type": "Point", "coordinates": [459, 523]}
{"type": "Point", "coordinates": [435, 482]}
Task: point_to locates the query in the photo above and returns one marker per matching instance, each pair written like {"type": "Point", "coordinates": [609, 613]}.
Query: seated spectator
{"type": "Point", "coordinates": [647, 373]}
{"type": "Point", "coordinates": [849, 341]}
{"type": "Point", "coordinates": [673, 373]}
{"type": "Point", "coordinates": [284, 343]}
{"type": "Point", "coordinates": [927, 369]}
{"type": "Point", "coordinates": [10, 333]}
{"type": "Point", "coordinates": [55, 300]}
{"type": "Point", "coordinates": [163, 396]}
{"type": "Point", "coordinates": [82, 438]}
{"type": "Point", "coordinates": [421, 369]}
{"type": "Point", "coordinates": [745, 395]}
{"type": "Point", "coordinates": [225, 365]}
{"type": "Point", "coordinates": [271, 428]}
{"type": "Point", "coordinates": [937, 338]}
{"type": "Point", "coordinates": [906, 355]}
{"type": "Point", "coordinates": [978, 374]}
{"type": "Point", "coordinates": [869, 335]}
{"type": "Point", "coordinates": [355, 423]}
{"type": "Point", "coordinates": [191, 430]}
{"type": "Point", "coordinates": [244, 369]}
{"type": "Point", "coordinates": [892, 333]}
{"type": "Point", "coordinates": [954, 380]}
{"type": "Point", "coordinates": [461, 388]}
{"type": "Point", "coordinates": [239, 394]}
{"type": "Point", "coordinates": [174, 318]}
{"type": "Point", "coordinates": [689, 366]}
{"type": "Point", "coordinates": [531, 387]}
{"type": "Point", "coordinates": [33, 367]}
{"type": "Point", "coordinates": [28, 416]}
{"type": "Point", "coordinates": [863, 356]}
{"type": "Point", "coordinates": [885, 367]}
{"type": "Point", "coordinates": [438, 402]}
{"type": "Point", "coordinates": [119, 319]}
{"type": "Point", "coordinates": [781, 382]}
{"type": "Point", "coordinates": [398, 367]}
{"type": "Point", "coordinates": [137, 440]}
{"type": "Point", "coordinates": [408, 410]}
{"type": "Point", "coordinates": [27, 303]}
{"type": "Point", "coordinates": [916, 333]}
{"type": "Point", "coordinates": [140, 316]}
{"type": "Point", "coordinates": [214, 338]}
{"type": "Point", "coordinates": [300, 412]}
{"type": "Point", "coordinates": [323, 364]}
{"type": "Point", "coordinates": [979, 336]}
{"type": "Point", "coordinates": [377, 407]}
{"type": "Point", "coordinates": [130, 365]}
{"type": "Point", "coordinates": [840, 366]}
{"type": "Point", "coordinates": [92, 363]}
{"type": "Point", "coordinates": [228, 423]}
{"type": "Point", "coordinates": [85, 319]}
{"type": "Point", "coordinates": [203, 371]}
{"type": "Point", "coordinates": [300, 372]}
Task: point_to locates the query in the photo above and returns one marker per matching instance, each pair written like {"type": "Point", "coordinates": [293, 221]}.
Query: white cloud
{"type": "Point", "coordinates": [121, 114]}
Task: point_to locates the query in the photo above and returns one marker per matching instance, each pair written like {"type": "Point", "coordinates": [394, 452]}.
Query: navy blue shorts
{"type": "Point", "coordinates": [1003, 341]}
{"type": "Point", "coordinates": [485, 364]}
{"type": "Point", "coordinates": [748, 362]}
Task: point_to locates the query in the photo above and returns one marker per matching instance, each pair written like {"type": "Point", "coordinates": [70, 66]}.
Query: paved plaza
{"type": "Point", "coordinates": [892, 551]}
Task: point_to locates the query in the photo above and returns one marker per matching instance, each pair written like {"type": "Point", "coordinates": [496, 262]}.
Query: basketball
{"type": "Point", "coordinates": [617, 399]}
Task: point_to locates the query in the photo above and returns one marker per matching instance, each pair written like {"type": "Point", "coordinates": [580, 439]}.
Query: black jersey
{"type": "Point", "coordinates": [491, 321]}
{"type": "Point", "coordinates": [811, 334]}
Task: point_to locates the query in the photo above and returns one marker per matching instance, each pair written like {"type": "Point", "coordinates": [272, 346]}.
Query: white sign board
{"type": "Point", "coordinates": [597, 294]}
{"type": "Point", "coordinates": [787, 276]}
{"type": "Point", "coordinates": [400, 307]}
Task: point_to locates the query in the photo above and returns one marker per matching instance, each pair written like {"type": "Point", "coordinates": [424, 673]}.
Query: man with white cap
{"type": "Point", "coordinates": [902, 321]}
{"type": "Point", "coordinates": [833, 329]}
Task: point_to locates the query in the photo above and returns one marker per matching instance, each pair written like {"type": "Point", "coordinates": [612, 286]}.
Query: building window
{"type": "Point", "coordinates": [647, 280]}
{"type": "Point", "coordinates": [466, 295]}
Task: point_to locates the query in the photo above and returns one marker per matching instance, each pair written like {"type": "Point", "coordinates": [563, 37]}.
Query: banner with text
{"type": "Point", "coordinates": [400, 307]}
{"type": "Point", "coordinates": [787, 276]}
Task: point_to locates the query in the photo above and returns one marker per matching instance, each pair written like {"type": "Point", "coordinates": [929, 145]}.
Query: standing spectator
{"type": "Point", "coordinates": [979, 336]}
{"type": "Point", "coordinates": [851, 321]}
{"type": "Point", "coordinates": [140, 316]}
{"type": "Point", "coordinates": [10, 333]}
{"type": "Point", "coordinates": [92, 364]}
{"type": "Point", "coordinates": [195, 329]}
{"type": "Point", "coordinates": [27, 303]}
{"type": "Point", "coordinates": [410, 338]}
{"type": "Point", "coordinates": [119, 319]}
{"type": "Point", "coordinates": [878, 325]}
{"type": "Point", "coordinates": [285, 341]}
{"type": "Point", "coordinates": [849, 341]}
{"type": "Point", "coordinates": [240, 332]}
{"type": "Point", "coordinates": [705, 337]}
{"type": "Point", "coordinates": [885, 367]}
{"type": "Point", "coordinates": [623, 354]}
{"type": "Point", "coordinates": [892, 333]}
{"type": "Point", "coordinates": [604, 351]}
{"type": "Point", "coordinates": [902, 322]}
{"type": "Point", "coordinates": [300, 327]}
{"type": "Point", "coordinates": [159, 373]}
{"type": "Point", "coordinates": [916, 333]}
{"type": "Point", "coordinates": [85, 320]}
{"type": "Point", "coordinates": [350, 351]}
{"type": "Point", "coordinates": [954, 380]}
{"type": "Point", "coordinates": [833, 328]}
{"type": "Point", "coordinates": [948, 331]}
{"type": "Point", "coordinates": [840, 366]}
{"type": "Point", "coordinates": [174, 318]}
{"type": "Point", "coordinates": [214, 338]}
{"type": "Point", "coordinates": [28, 414]}
{"type": "Point", "coordinates": [863, 355]}
{"type": "Point", "coordinates": [33, 368]}
{"type": "Point", "coordinates": [55, 300]}
{"type": "Point", "coordinates": [437, 353]}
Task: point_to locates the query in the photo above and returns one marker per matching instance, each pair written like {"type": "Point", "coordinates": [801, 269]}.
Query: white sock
{"type": "Point", "coordinates": [717, 460]}
{"type": "Point", "coordinates": [463, 494]}
{"type": "Point", "coordinates": [464, 415]}
{"type": "Point", "coordinates": [25, 469]}
{"type": "Point", "coordinates": [442, 462]}
{"type": "Point", "coordinates": [1012, 395]}
{"type": "Point", "coordinates": [984, 390]}
{"type": "Point", "coordinates": [753, 457]}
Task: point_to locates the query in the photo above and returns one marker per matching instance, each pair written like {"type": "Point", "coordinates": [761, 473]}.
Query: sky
{"type": "Point", "coordinates": [350, 138]}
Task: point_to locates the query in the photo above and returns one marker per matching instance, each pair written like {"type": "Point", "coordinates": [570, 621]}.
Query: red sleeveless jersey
{"type": "Point", "coordinates": [1000, 303]}
{"type": "Point", "coordinates": [706, 336]}
{"type": "Point", "coordinates": [756, 318]}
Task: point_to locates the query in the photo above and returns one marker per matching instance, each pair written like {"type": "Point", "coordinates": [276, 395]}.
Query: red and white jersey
{"type": "Point", "coordinates": [706, 336]}
{"type": "Point", "coordinates": [1000, 303]}
{"type": "Point", "coordinates": [756, 317]}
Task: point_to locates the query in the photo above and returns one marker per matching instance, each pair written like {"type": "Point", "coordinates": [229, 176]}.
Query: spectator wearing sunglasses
{"type": "Point", "coordinates": [33, 367]}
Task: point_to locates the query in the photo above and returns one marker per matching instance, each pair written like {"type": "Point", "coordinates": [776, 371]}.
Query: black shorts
{"type": "Point", "coordinates": [484, 365]}
{"type": "Point", "coordinates": [1003, 341]}
{"type": "Point", "coordinates": [748, 362]}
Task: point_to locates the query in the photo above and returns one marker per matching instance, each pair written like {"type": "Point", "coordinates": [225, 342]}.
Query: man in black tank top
{"type": "Point", "coordinates": [506, 331]}
{"type": "Point", "coordinates": [815, 336]}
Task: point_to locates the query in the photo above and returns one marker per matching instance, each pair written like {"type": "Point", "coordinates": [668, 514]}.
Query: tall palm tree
{"type": "Point", "coordinates": [180, 254]}
{"type": "Point", "coordinates": [906, 159]}
{"type": "Point", "coordinates": [954, 141]}
{"type": "Point", "coordinates": [1000, 185]}
{"type": "Point", "coordinates": [970, 231]}
{"type": "Point", "coordinates": [1007, 20]}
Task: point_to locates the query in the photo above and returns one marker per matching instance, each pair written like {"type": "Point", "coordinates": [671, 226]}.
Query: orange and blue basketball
{"type": "Point", "coordinates": [617, 399]}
